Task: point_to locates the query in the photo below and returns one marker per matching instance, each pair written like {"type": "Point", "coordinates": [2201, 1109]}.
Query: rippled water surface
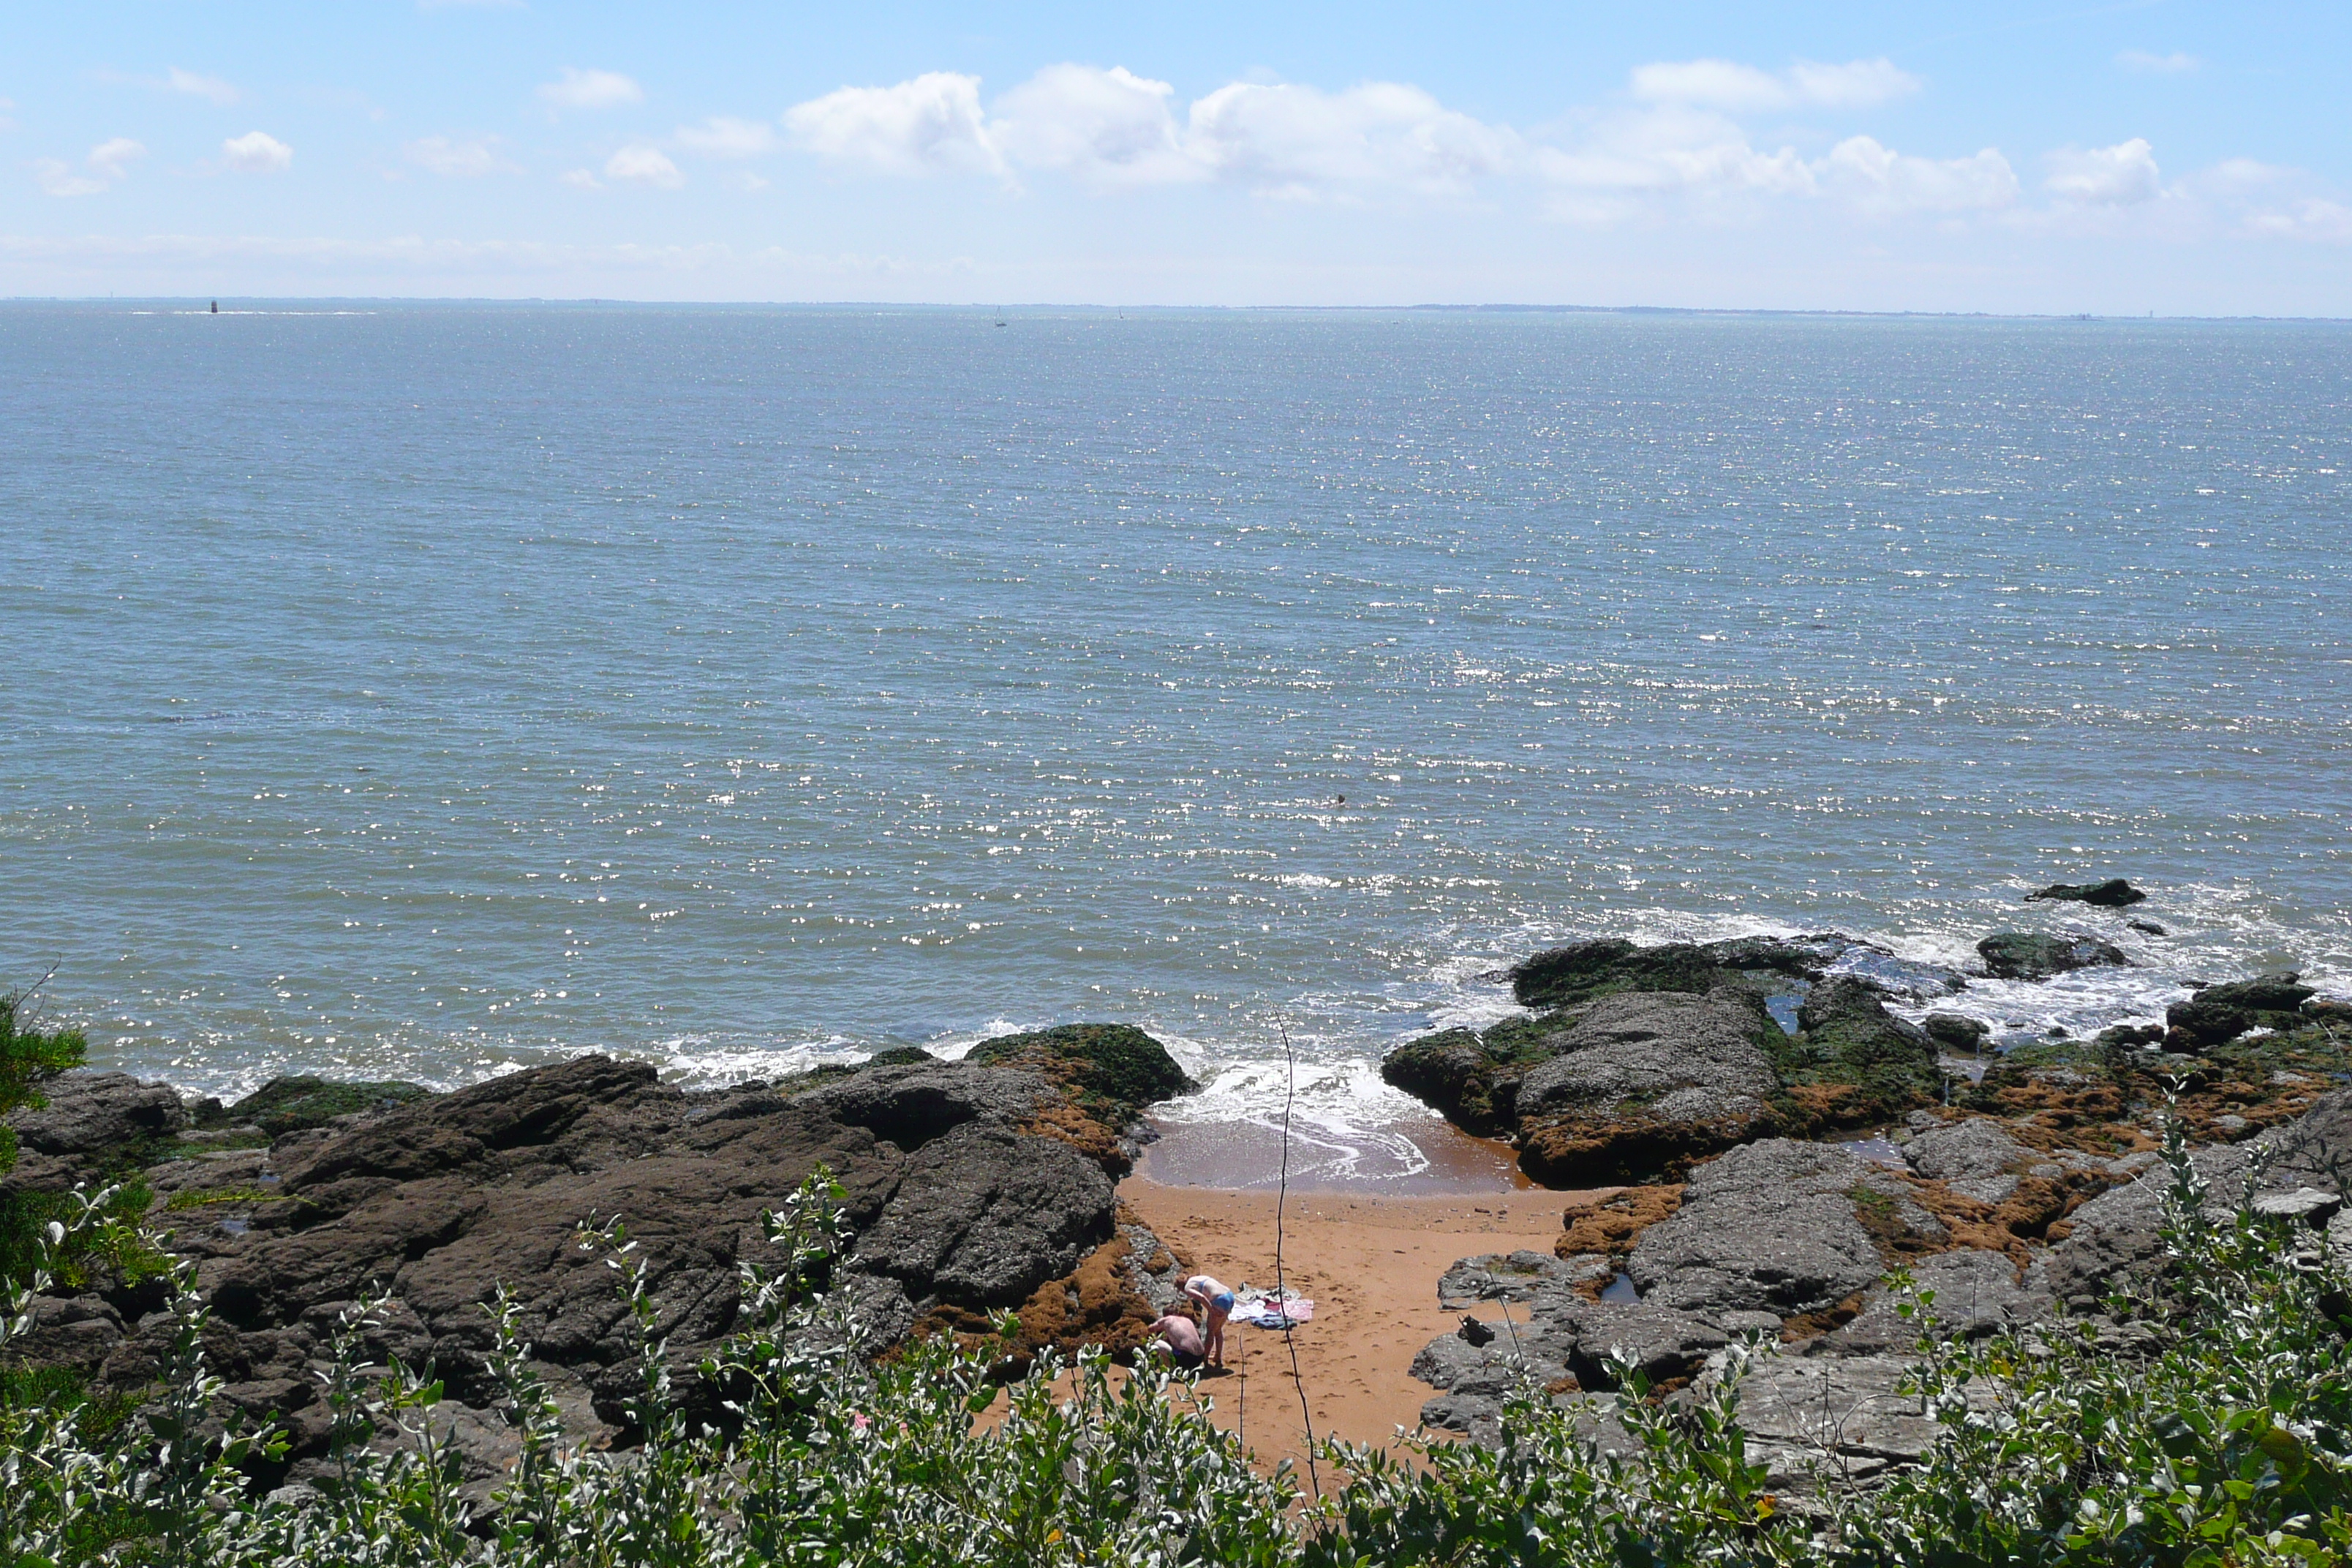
{"type": "Point", "coordinates": [421, 691]}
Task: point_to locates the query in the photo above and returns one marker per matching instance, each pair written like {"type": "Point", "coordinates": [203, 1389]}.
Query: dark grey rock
{"type": "Point", "coordinates": [1955, 1031]}
{"type": "Point", "coordinates": [2220, 1013]}
{"type": "Point", "coordinates": [2306, 1205]}
{"type": "Point", "coordinates": [1519, 1276]}
{"type": "Point", "coordinates": [1770, 1226]}
{"type": "Point", "coordinates": [984, 1215]}
{"type": "Point", "coordinates": [911, 1106]}
{"type": "Point", "coordinates": [93, 1115]}
{"type": "Point", "coordinates": [1683, 1058]}
{"type": "Point", "coordinates": [1975, 1150]}
{"type": "Point", "coordinates": [1976, 1294]}
{"type": "Point", "coordinates": [1832, 1418]}
{"type": "Point", "coordinates": [2115, 893]}
{"type": "Point", "coordinates": [2028, 955]}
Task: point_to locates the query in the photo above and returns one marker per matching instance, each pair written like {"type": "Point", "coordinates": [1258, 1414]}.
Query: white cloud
{"type": "Point", "coordinates": [722, 136]}
{"type": "Point", "coordinates": [580, 180]}
{"type": "Point", "coordinates": [1740, 89]}
{"type": "Point", "coordinates": [2104, 176]}
{"type": "Point", "coordinates": [927, 123]}
{"type": "Point", "coordinates": [1669, 151]}
{"type": "Point", "coordinates": [453, 159]}
{"type": "Point", "coordinates": [258, 153]}
{"type": "Point", "coordinates": [112, 156]}
{"type": "Point", "coordinates": [56, 177]}
{"type": "Point", "coordinates": [642, 165]}
{"type": "Point", "coordinates": [2315, 218]}
{"type": "Point", "coordinates": [1108, 127]}
{"type": "Point", "coordinates": [577, 89]}
{"type": "Point", "coordinates": [1293, 138]}
{"type": "Point", "coordinates": [205, 87]}
{"type": "Point", "coordinates": [1879, 178]}
{"type": "Point", "coordinates": [1857, 84]}
{"type": "Point", "coordinates": [2174, 64]}
{"type": "Point", "coordinates": [108, 161]}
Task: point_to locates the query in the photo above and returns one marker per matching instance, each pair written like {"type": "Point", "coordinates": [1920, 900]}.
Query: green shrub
{"type": "Point", "coordinates": [2208, 1424]}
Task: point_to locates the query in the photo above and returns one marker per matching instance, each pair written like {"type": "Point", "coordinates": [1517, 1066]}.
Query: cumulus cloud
{"type": "Point", "coordinates": [580, 180]}
{"type": "Point", "coordinates": [1108, 127]}
{"type": "Point", "coordinates": [112, 156]}
{"type": "Point", "coordinates": [1297, 138]}
{"type": "Point", "coordinates": [56, 177]}
{"type": "Point", "coordinates": [2174, 64]}
{"type": "Point", "coordinates": [211, 87]}
{"type": "Point", "coordinates": [457, 159]}
{"type": "Point", "coordinates": [1668, 151]}
{"type": "Point", "coordinates": [2113, 176]}
{"type": "Point", "coordinates": [642, 165]}
{"type": "Point", "coordinates": [258, 153]}
{"type": "Point", "coordinates": [577, 89]}
{"type": "Point", "coordinates": [722, 136]}
{"type": "Point", "coordinates": [922, 125]}
{"type": "Point", "coordinates": [2315, 218]}
{"type": "Point", "coordinates": [108, 161]}
{"type": "Point", "coordinates": [1738, 88]}
{"type": "Point", "coordinates": [1880, 178]}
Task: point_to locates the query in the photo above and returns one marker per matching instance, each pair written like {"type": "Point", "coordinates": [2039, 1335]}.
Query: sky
{"type": "Point", "coordinates": [2117, 159]}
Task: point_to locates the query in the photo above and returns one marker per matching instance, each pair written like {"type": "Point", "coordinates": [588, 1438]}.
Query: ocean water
{"type": "Point", "coordinates": [424, 691]}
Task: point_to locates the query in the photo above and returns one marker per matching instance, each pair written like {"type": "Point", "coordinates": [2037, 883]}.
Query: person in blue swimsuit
{"type": "Point", "coordinates": [1216, 1306]}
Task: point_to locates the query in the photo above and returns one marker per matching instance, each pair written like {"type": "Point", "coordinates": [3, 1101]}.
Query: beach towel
{"type": "Point", "coordinates": [1266, 1312]}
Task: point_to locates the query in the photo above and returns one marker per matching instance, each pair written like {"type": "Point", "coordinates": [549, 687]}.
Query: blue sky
{"type": "Point", "coordinates": [2119, 158]}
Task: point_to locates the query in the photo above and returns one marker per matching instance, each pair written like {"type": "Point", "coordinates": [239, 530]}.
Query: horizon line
{"type": "Point", "coordinates": [1426, 307]}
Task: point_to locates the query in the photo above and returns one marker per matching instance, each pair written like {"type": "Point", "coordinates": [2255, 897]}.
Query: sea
{"type": "Point", "coordinates": [429, 690]}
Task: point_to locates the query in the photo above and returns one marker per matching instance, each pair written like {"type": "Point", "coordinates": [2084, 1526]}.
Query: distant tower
{"type": "Point", "coordinates": [216, 307]}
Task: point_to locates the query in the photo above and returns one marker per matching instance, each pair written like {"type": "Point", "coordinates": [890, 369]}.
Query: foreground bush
{"type": "Point", "coordinates": [2218, 1438]}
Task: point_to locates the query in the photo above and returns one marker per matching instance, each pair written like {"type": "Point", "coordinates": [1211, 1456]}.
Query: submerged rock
{"type": "Point", "coordinates": [2028, 955]}
{"type": "Point", "coordinates": [2115, 893]}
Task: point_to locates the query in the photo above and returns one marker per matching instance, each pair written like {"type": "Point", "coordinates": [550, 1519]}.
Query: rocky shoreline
{"type": "Point", "coordinates": [1776, 1141]}
{"type": "Point", "coordinates": [973, 1187]}
{"type": "Point", "coordinates": [1755, 1138]}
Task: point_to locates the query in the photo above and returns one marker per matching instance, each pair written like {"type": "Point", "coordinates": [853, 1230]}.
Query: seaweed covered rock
{"type": "Point", "coordinates": [2030, 955]}
{"type": "Point", "coordinates": [2115, 893]}
{"type": "Point", "coordinates": [1852, 1063]}
{"type": "Point", "coordinates": [1473, 1078]}
{"type": "Point", "coordinates": [1646, 1083]}
{"type": "Point", "coordinates": [291, 1104]}
{"type": "Point", "coordinates": [1113, 1071]}
{"type": "Point", "coordinates": [1583, 971]}
{"type": "Point", "coordinates": [2220, 1013]}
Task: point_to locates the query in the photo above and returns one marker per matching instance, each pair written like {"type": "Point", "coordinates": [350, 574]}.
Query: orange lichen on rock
{"type": "Point", "coordinates": [1095, 1304]}
{"type": "Point", "coordinates": [1067, 1123]}
{"type": "Point", "coordinates": [1613, 1222]}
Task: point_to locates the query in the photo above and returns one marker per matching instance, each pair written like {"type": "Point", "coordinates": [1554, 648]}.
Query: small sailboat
{"type": "Point", "coordinates": [1000, 315]}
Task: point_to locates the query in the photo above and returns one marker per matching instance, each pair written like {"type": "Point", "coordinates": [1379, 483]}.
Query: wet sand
{"type": "Point", "coordinates": [1425, 1157]}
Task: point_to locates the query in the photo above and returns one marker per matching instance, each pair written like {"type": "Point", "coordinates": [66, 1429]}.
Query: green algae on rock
{"type": "Point", "coordinates": [290, 1104]}
{"type": "Point", "coordinates": [1112, 1070]}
